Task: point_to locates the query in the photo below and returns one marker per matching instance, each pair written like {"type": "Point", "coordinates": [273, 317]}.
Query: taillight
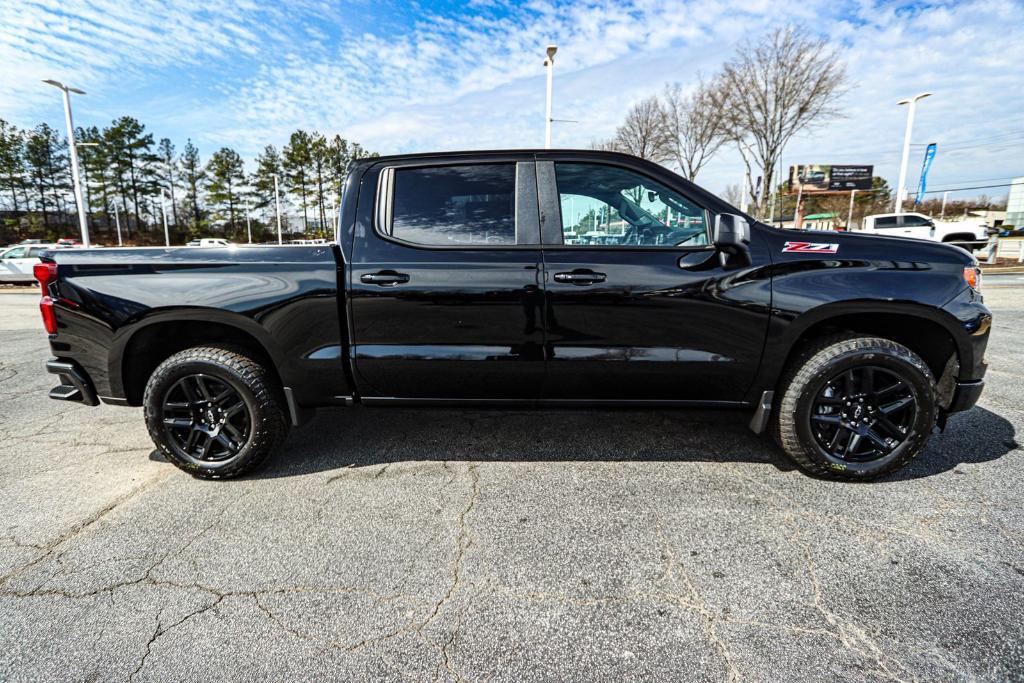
{"type": "Point", "coordinates": [972, 276]}
{"type": "Point", "coordinates": [46, 273]}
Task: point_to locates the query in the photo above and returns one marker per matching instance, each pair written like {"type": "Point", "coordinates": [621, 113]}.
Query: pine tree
{"type": "Point", "coordinates": [46, 158]}
{"type": "Point", "coordinates": [268, 165]}
{"type": "Point", "coordinates": [193, 175]}
{"type": "Point", "coordinates": [297, 161]}
{"type": "Point", "coordinates": [168, 176]}
{"type": "Point", "coordinates": [319, 154]}
{"type": "Point", "coordinates": [133, 159]}
{"type": "Point", "coordinates": [227, 176]}
{"type": "Point", "coordinates": [12, 163]}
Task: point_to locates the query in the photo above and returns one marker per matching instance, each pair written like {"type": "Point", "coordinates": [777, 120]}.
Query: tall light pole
{"type": "Point", "coordinates": [901, 191]}
{"type": "Point", "coordinates": [550, 64]}
{"type": "Point", "coordinates": [277, 201]}
{"type": "Point", "coordinates": [117, 220]}
{"type": "Point", "coordinates": [163, 210]}
{"type": "Point", "coordinates": [82, 220]}
{"type": "Point", "coordinates": [248, 223]}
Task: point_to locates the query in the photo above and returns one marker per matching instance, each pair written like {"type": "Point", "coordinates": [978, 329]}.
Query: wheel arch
{"type": "Point", "coordinates": [134, 356]}
{"type": "Point", "coordinates": [928, 331]}
{"type": "Point", "coordinates": [960, 237]}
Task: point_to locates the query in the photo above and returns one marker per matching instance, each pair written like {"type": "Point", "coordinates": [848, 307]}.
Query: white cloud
{"type": "Point", "coordinates": [475, 79]}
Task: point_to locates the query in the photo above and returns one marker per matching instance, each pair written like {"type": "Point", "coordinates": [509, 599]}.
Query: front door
{"type": "Point", "coordinates": [918, 227]}
{"type": "Point", "coordinates": [640, 304]}
{"type": "Point", "coordinates": [446, 291]}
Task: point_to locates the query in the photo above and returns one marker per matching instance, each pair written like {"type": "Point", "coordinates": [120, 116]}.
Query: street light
{"type": "Point", "coordinates": [277, 202]}
{"type": "Point", "coordinates": [82, 221]}
{"type": "Point", "coordinates": [248, 223]}
{"type": "Point", "coordinates": [550, 64]}
{"type": "Point", "coordinates": [163, 211]}
{"type": "Point", "coordinates": [901, 191]}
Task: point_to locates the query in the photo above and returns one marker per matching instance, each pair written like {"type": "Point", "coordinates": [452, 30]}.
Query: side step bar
{"type": "Point", "coordinates": [74, 384]}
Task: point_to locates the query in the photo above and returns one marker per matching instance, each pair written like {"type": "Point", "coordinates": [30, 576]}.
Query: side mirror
{"type": "Point", "coordinates": [732, 233]}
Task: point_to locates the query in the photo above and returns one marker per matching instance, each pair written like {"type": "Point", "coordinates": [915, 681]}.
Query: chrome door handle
{"type": "Point", "coordinates": [384, 278]}
{"type": "Point", "coordinates": [580, 277]}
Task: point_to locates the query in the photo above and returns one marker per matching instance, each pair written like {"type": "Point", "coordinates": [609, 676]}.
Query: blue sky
{"type": "Point", "coordinates": [402, 77]}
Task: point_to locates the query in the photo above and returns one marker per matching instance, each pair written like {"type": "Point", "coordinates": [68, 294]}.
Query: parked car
{"type": "Point", "coordinates": [16, 263]}
{"type": "Point", "coordinates": [922, 227]}
{"type": "Point", "coordinates": [68, 242]}
{"type": "Point", "coordinates": [450, 284]}
{"type": "Point", "coordinates": [209, 242]}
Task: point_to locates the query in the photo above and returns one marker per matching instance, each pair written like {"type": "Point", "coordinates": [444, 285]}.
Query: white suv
{"type": "Point", "coordinates": [16, 262]}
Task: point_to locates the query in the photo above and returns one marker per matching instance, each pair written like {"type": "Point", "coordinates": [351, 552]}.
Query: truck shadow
{"type": "Point", "coordinates": [361, 437]}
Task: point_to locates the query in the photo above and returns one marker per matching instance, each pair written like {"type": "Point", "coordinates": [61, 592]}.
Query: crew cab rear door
{"type": "Point", "coordinates": [445, 289]}
{"type": "Point", "coordinates": [640, 305]}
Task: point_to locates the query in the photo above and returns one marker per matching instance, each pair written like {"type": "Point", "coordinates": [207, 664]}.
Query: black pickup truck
{"type": "Point", "coordinates": [538, 278]}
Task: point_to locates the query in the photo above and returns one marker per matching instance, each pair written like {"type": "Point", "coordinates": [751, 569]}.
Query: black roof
{"type": "Point", "coordinates": [710, 200]}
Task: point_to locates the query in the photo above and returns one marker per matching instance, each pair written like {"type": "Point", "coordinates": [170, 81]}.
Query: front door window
{"type": "Point", "coordinates": [610, 206]}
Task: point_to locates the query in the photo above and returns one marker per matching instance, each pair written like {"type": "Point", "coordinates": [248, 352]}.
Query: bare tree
{"type": "Point", "coordinates": [733, 194]}
{"type": "Point", "coordinates": [643, 132]}
{"type": "Point", "coordinates": [772, 90]}
{"type": "Point", "coordinates": [693, 128]}
{"type": "Point", "coordinates": [604, 145]}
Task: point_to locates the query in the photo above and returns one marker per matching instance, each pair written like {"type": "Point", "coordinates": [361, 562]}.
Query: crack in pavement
{"type": "Point", "coordinates": [160, 631]}
{"type": "Point", "coordinates": [85, 524]}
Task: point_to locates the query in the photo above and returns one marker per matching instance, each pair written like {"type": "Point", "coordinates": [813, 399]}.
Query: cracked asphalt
{"type": "Point", "coordinates": [451, 545]}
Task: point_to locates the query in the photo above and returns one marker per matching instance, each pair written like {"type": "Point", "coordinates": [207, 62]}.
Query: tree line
{"type": "Point", "coordinates": [130, 179]}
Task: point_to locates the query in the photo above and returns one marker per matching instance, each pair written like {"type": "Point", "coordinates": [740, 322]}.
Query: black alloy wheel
{"type": "Point", "coordinates": [863, 414]}
{"type": "Point", "coordinates": [855, 407]}
{"type": "Point", "coordinates": [205, 419]}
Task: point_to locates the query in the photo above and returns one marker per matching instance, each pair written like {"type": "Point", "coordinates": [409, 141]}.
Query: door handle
{"type": "Point", "coordinates": [580, 277]}
{"type": "Point", "coordinates": [384, 278]}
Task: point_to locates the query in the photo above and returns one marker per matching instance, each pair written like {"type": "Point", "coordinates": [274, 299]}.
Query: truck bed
{"type": "Point", "coordinates": [120, 310]}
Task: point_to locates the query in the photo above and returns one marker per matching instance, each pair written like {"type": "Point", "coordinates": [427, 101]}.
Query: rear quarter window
{"type": "Point", "coordinates": [470, 205]}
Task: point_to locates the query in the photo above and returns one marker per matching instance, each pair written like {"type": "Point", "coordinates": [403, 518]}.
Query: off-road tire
{"type": "Point", "coordinates": [826, 358]}
{"type": "Point", "coordinates": [258, 388]}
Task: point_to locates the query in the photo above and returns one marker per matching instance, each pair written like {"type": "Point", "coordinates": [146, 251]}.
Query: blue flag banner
{"type": "Point", "coordinates": [929, 156]}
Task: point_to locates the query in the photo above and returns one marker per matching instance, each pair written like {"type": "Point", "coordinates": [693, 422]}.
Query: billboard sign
{"type": "Point", "coordinates": [818, 178]}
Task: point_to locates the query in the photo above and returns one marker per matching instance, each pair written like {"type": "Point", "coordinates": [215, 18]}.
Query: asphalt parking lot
{"type": "Point", "coordinates": [388, 544]}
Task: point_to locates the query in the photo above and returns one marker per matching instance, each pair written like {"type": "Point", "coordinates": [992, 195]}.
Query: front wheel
{"type": "Point", "coordinates": [855, 408]}
{"type": "Point", "coordinates": [214, 412]}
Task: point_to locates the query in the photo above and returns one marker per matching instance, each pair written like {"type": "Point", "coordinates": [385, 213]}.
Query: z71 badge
{"type": "Point", "coordinates": [811, 247]}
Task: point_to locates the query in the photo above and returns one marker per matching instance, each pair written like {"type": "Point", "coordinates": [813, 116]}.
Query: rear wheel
{"type": "Point", "coordinates": [214, 412]}
{"type": "Point", "coordinates": [855, 407]}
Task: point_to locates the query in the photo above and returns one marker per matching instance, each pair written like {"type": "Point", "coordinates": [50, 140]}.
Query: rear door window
{"type": "Point", "coordinates": [915, 221]}
{"type": "Point", "coordinates": [454, 206]}
{"type": "Point", "coordinates": [886, 222]}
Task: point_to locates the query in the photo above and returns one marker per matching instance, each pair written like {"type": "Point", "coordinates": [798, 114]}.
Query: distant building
{"type": "Point", "coordinates": [1015, 203]}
